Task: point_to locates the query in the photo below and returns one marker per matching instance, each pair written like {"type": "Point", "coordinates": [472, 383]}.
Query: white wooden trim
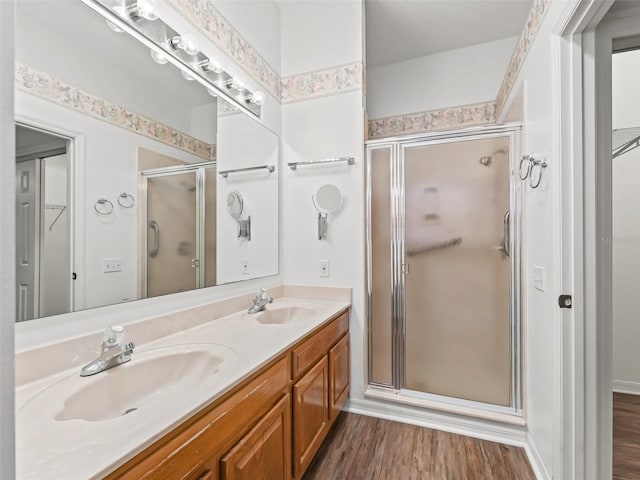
{"type": "Point", "coordinates": [535, 460]}
{"type": "Point", "coordinates": [471, 427]}
{"type": "Point", "coordinates": [622, 386]}
{"type": "Point", "coordinates": [7, 241]}
{"type": "Point", "coordinates": [597, 193]}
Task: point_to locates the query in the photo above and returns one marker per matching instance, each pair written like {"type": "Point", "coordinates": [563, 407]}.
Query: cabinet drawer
{"type": "Point", "coordinates": [310, 351]}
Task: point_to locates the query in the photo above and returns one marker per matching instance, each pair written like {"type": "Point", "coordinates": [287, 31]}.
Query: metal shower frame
{"type": "Point", "coordinates": [396, 147]}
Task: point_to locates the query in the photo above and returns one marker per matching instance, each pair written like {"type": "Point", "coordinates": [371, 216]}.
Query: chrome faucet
{"type": "Point", "coordinates": [260, 301]}
{"type": "Point", "coordinates": [114, 352]}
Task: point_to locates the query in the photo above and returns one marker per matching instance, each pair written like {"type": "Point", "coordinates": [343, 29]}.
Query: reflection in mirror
{"type": "Point", "coordinates": [117, 156]}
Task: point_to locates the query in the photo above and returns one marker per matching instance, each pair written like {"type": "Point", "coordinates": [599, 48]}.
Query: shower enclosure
{"type": "Point", "coordinates": [443, 269]}
{"type": "Point", "coordinates": [178, 228]}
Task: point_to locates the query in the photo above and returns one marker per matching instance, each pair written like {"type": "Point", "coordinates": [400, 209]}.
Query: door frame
{"type": "Point", "coordinates": [585, 415]}
{"type": "Point", "coordinates": [199, 170]}
{"type": "Point", "coordinates": [75, 181]}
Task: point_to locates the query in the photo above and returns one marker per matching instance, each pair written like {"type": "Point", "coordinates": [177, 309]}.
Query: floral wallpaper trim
{"type": "Point", "coordinates": [321, 83]}
{"type": "Point", "coordinates": [538, 10]}
{"type": "Point", "coordinates": [442, 119]}
{"type": "Point", "coordinates": [46, 86]}
{"type": "Point", "coordinates": [204, 16]}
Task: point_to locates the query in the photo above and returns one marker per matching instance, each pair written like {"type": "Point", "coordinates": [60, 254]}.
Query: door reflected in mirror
{"type": "Point", "coordinates": [117, 155]}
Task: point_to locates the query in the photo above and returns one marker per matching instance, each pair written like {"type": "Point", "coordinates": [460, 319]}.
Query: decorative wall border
{"type": "Point", "coordinates": [441, 119]}
{"type": "Point", "coordinates": [536, 15]}
{"type": "Point", "coordinates": [45, 86]}
{"type": "Point", "coordinates": [322, 83]}
{"type": "Point", "coordinates": [208, 20]}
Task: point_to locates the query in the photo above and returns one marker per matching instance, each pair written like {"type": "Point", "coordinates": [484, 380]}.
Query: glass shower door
{"type": "Point", "coordinates": [457, 322]}
{"type": "Point", "coordinates": [172, 234]}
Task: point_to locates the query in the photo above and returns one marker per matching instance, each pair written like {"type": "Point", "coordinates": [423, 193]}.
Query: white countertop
{"type": "Point", "coordinates": [47, 448]}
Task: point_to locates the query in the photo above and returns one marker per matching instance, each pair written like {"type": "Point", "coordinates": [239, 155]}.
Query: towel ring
{"type": "Point", "coordinates": [541, 164]}
{"type": "Point", "coordinates": [126, 200]}
{"type": "Point", "coordinates": [103, 207]}
{"type": "Point", "coordinates": [527, 159]}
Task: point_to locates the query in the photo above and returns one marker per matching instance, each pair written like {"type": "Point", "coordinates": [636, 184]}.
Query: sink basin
{"type": "Point", "coordinates": [152, 376]}
{"type": "Point", "coordinates": [284, 315]}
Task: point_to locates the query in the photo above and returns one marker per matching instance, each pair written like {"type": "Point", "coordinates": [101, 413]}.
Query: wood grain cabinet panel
{"type": "Point", "coordinates": [265, 452]}
{"type": "Point", "coordinates": [311, 350]}
{"type": "Point", "coordinates": [339, 373]}
{"type": "Point", "coordinates": [310, 414]}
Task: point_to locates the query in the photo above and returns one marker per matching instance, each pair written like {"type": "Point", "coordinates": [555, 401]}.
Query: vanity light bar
{"type": "Point", "coordinates": [349, 160]}
{"type": "Point", "coordinates": [196, 71]}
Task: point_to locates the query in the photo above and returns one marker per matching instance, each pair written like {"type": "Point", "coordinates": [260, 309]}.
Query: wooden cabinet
{"type": "Point", "coordinates": [339, 377]}
{"type": "Point", "coordinates": [321, 392]}
{"type": "Point", "coordinates": [310, 415]}
{"type": "Point", "coordinates": [269, 427]}
{"type": "Point", "coordinates": [265, 452]}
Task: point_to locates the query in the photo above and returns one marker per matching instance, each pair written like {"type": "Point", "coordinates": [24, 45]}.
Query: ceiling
{"type": "Point", "coordinates": [398, 30]}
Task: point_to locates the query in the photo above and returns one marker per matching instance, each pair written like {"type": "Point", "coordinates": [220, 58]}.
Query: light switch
{"type": "Point", "coordinates": [324, 268]}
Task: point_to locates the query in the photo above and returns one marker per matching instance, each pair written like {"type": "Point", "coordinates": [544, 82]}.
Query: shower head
{"type": "Point", "coordinates": [486, 161]}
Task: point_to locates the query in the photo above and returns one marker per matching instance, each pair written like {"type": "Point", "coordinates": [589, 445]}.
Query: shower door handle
{"type": "Point", "coordinates": [506, 234]}
{"type": "Point", "coordinates": [156, 238]}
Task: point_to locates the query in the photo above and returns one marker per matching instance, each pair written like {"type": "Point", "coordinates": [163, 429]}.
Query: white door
{"type": "Point", "coordinates": [27, 244]}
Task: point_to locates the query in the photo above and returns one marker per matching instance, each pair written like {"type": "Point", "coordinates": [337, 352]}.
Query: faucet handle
{"type": "Point", "coordinates": [262, 294]}
{"type": "Point", "coordinates": [113, 336]}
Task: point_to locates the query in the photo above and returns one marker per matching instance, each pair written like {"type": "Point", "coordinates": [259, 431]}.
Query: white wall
{"type": "Point", "coordinates": [7, 243]}
{"type": "Point", "coordinates": [626, 227]}
{"type": "Point", "coordinates": [458, 77]}
{"type": "Point", "coordinates": [542, 322]}
{"type": "Point", "coordinates": [318, 35]}
{"type": "Point", "coordinates": [243, 142]}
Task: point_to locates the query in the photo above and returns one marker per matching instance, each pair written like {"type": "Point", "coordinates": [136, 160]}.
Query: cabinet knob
{"type": "Point", "coordinates": [206, 475]}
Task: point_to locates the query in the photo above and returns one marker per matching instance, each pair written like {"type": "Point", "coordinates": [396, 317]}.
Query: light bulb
{"type": "Point", "coordinates": [187, 76]}
{"type": "Point", "coordinates": [113, 26]}
{"type": "Point", "coordinates": [258, 98]}
{"type": "Point", "coordinates": [189, 44]}
{"type": "Point", "coordinates": [212, 65]}
{"type": "Point", "coordinates": [147, 9]}
{"type": "Point", "coordinates": [159, 58]}
{"type": "Point", "coordinates": [238, 84]}
{"type": "Point", "coordinates": [212, 92]}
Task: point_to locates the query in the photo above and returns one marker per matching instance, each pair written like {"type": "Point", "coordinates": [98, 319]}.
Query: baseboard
{"type": "Point", "coordinates": [621, 386]}
{"type": "Point", "coordinates": [535, 460]}
{"type": "Point", "coordinates": [470, 427]}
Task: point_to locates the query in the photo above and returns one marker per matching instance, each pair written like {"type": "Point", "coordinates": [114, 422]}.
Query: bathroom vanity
{"type": "Point", "coordinates": [277, 416]}
{"type": "Point", "coordinates": [207, 395]}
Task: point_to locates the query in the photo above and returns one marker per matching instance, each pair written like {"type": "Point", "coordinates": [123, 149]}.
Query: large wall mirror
{"type": "Point", "coordinates": [133, 179]}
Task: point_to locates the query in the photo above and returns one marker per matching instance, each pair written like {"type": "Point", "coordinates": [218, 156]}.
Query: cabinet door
{"type": "Point", "coordinates": [338, 377]}
{"type": "Point", "coordinates": [310, 414]}
{"type": "Point", "coordinates": [265, 452]}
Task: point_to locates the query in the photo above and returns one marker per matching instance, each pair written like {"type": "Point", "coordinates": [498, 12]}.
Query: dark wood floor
{"type": "Point", "coordinates": [626, 437]}
{"type": "Point", "coordinates": [367, 448]}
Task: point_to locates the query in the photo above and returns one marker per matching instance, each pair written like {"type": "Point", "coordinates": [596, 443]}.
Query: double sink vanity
{"type": "Point", "coordinates": [207, 394]}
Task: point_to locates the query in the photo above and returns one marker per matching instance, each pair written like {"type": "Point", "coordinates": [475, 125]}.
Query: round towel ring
{"type": "Point", "coordinates": [126, 200]}
{"type": "Point", "coordinates": [103, 207]}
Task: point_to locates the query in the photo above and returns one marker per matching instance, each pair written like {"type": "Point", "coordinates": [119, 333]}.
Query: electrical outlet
{"type": "Point", "coordinates": [324, 268]}
{"type": "Point", "coordinates": [110, 265]}
{"type": "Point", "coordinates": [244, 267]}
{"type": "Point", "coordinates": [538, 279]}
